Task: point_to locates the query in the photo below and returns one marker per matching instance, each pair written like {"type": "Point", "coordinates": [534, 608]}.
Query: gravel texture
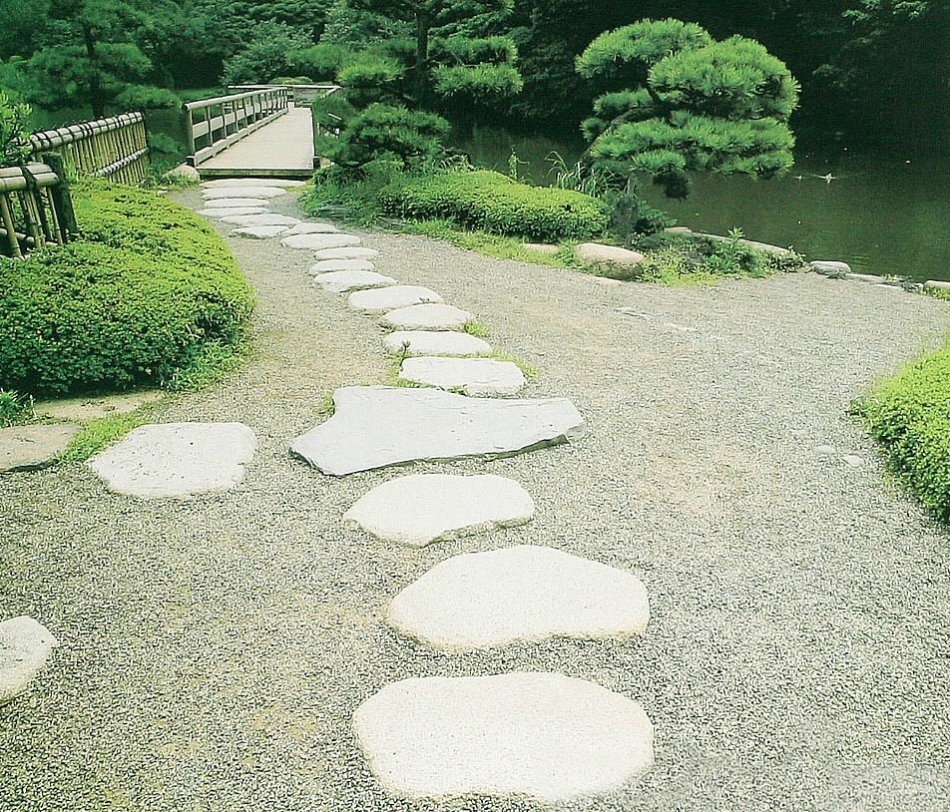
{"type": "Point", "coordinates": [214, 650]}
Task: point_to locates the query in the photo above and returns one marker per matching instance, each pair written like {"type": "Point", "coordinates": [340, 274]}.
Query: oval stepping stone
{"type": "Point", "coordinates": [264, 219]}
{"type": "Point", "coordinates": [317, 242]}
{"type": "Point", "coordinates": [427, 317]}
{"type": "Point", "coordinates": [314, 228]}
{"type": "Point", "coordinates": [396, 296]}
{"type": "Point", "coordinates": [25, 448]}
{"type": "Point", "coordinates": [25, 645]}
{"type": "Point", "coordinates": [177, 459]}
{"type": "Point", "coordinates": [595, 252]}
{"type": "Point", "coordinates": [474, 376]}
{"type": "Point", "coordinates": [376, 426]}
{"type": "Point", "coordinates": [263, 192]}
{"type": "Point", "coordinates": [524, 593]}
{"type": "Point", "coordinates": [222, 212]}
{"type": "Point", "coordinates": [276, 182]}
{"type": "Point", "coordinates": [444, 342]}
{"type": "Point", "coordinates": [423, 508]}
{"type": "Point", "coordinates": [343, 281]}
{"type": "Point", "coordinates": [351, 252]}
{"type": "Point", "coordinates": [236, 203]}
{"type": "Point", "coordinates": [546, 736]}
{"type": "Point", "coordinates": [330, 265]}
{"type": "Point", "coordinates": [259, 232]}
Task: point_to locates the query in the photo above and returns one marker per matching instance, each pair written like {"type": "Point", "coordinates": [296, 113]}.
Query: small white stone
{"type": "Point", "coordinates": [440, 342]}
{"type": "Point", "coordinates": [343, 281]}
{"type": "Point", "coordinates": [259, 232]}
{"type": "Point", "coordinates": [236, 203]}
{"type": "Point", "coordinates": [331, 265]}
{"type": "Point", "coordinates": [347, 253]}
{"type": "Point", "coordinates": [390, 298]}
{"type": "Point", "coordinates": [853, 460]}
{"type": "Point", "coordinates": [177, 459]}
{"type": "Point", "coordinates": [265, 219]}
{"type": "Point", "coordinates": [313, 228]}
{"type": "Point", "coordinates": [525, 594]}
{"type": "Point", "coordinates": [546, 736]}
{"type": "Point", "coordinates": [825, 449]}
{"type": "Point", "coordinates": [427, 317]}
{"type": "Point", "coordinates": [223, 212]}
{"type": "Point", "coordinates": [422, 508]}
{"type": "Point", "coordinates": [262, 192]}
{"type": "Point", "coordinates": [257, 182]}
{"type": "Point", "coordinates": [25, 645]}
{"type": "Point", "coordinates": [474, 376]}
{"type": "Point", "coordinates": [594, 253]}
{"type": "Point", "coordinates": [317, 242]}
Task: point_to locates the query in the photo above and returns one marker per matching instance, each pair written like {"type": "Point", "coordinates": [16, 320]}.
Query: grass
{"type": "Point", "coordinates": [476, 328]}
{"type": "Point", "coordinates": [102, 432]}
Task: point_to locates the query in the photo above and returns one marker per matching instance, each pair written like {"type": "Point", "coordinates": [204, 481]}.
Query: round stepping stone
{"type": "Point", "coordinates": [525, 594]}
{"type": "Point", "coordinates": [230, 182]}
{"type": "Point", "coordinates": [396, 296]}
{"type": "Point", "coordinates": [594, 253]}
{"type": "Point", "coordinates": [343, 281]}
{"type": "Point", "coordinates": [24, 448]}
{"type": "Point", "coordinates": [546, 736]}
{"type": "Point", "coordinates": [314, 228]}
{"type": "Point", "coordinates": [259, 232]}
{"type": "Point", "coordinates": [330, 265]}
{"type": "Point", "coordinates": [427, 317]}
{"type": "Point", "coordinates": [473, 376]}
{"type": "Point", "coordinates": [235, 203]}
{"type": "Point", "coordinates": [317, 242]}
{"type": "Point", "coordinates": [264, 219]}
{"type": "Point", "coordinates": [263, 192]}
{"type": "Point", "coordinates": [376, 426]}
{"type": "Point", "coordinates": [25, 645]}
{"type": "Point", "coordinates": [223, 212]}
{"type": "Point", "coordinates": [422, 508]}
{"type": "Point", "coordinates": [422, 342]}
{"type": "Point", "coordinates": [347, 253]}
{"type": "Point", "coordinates": [177, 459]}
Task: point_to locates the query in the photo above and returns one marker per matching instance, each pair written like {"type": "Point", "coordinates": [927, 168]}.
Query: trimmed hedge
{"type": "Point", "coordinates": [910, 415]}
{"type": "Point", "coordinates": [138, 298]}
{"type": "Point", "coordinates": [489, 201]}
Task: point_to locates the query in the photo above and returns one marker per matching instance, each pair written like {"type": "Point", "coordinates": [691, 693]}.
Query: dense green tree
{"type": "Point", "coordinates": [265, 57]}
{"type": "Point", "coordinates": [683, 102]}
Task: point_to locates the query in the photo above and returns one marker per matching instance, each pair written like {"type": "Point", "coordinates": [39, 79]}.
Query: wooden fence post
{"type": "Point", "coordinates": [62, 200]}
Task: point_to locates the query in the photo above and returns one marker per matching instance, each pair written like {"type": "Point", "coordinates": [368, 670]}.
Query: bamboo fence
{"type": "Point", "coordinates": [35, 209]}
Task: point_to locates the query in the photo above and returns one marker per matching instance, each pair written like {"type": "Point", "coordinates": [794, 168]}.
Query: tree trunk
{"type": "Point", "coordinates": [420, 71]}
{"type": "Point", "coordinates": [96, 99]}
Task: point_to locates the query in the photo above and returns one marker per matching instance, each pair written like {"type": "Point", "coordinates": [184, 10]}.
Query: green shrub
{"type": "Point", "coordinates": [910, 415]}
{"type": "Point", "coordinates": [133, 302]}
{"type": "Point", "coordinates": [489, 201]}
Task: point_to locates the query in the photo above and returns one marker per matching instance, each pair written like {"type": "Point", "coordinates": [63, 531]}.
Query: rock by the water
{"type": "Point", "coordinates": [318, 242]}
{"type": "Point", "coordinates": [545, 736]}
{"type": "Point", "coordinates": [266, 219]}
{"type": "Point", "coordinates": [377, 426]}
{"type": "Point", "coordinates": [177, 459]}
{"type": "Point", "coordinates": [936, 284]}
{"type": "Point", "coordinates": [391, 298]}
{"type": "Point", "coordinates": [437, 342]}
{"type": "Point", "coordinates": [261, 192]}
{"type": "Point", "coordinates": [595, 253]}
{"type": "Point", "coordinates": [343, 281]}
{"type": "Point", "coordinates": [347, 253]}
{"type": "Point", "coordinates": [874, 279]}
{"type": "Point", "coordinates": [422, 508]}
{"type": "Point", "coordinates": [768, 248]}
{"type": "Point", "coordinates": [25, 645]}
{"type": "Point", "coordinates": [259, 232]}
{"type": "Point", "coordinates": [24, 448]}
{"type": "Point", "coordinates": [678, 230]}
{"type": "Point", "coordinates": [313, 228]}
{"type": "Point", "coordinates": [473, 376]}
{"type": "Point", "coordinates": [427, 317]}
{"type": "Point", "coordinates": [523, 594]}
{"type": "Point", "coordinates": [331, 265]}
{"type": "Point", "coordinates": [836, 270]}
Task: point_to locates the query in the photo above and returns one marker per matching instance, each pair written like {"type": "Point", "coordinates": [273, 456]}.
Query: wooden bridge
{"type": "Point", "coordinates": [258, 131]}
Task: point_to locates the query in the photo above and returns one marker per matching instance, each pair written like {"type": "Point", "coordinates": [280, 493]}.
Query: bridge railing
{"type": "Point", "coordinates": [35, 208]}
{"type": "Point", "coordinates": [212, 125]}
{"type": "Point", "coordinates": [301, 95]}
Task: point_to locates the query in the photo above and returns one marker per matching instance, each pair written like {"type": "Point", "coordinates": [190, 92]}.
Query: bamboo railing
{"type": "Point", "coordinates": [35, 208]}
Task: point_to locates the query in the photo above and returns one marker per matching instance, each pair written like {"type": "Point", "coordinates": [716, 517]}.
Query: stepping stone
{"type": "Point", "coordinates": [523, 594]}
{"type": "Point", "coordinates": [836, 270]}
{"type": "Point", "coordinates": [396, 296]}
{"type": "Point", "coordinates": [376, 426]}
{"type": "Point", "coordinates": [314, 228]}
{"type": "Point", "coordinates": [330, 265]}
{"type": "Point", "coordinates": [422, 508]}
{"type": "Point", "coordinates": [222, 212]}
{"type": "Point", "coordinates": [259, 232]}
{"type": "Point", "coordinates": [444, 342]}
{"type": "Point", "coordinates": [243, 182]}
{"type": "Point", "coordinates": [343, 281]}
{"type": "Point", "coordinates": [347, 253]}
{"type": "Point", "coordinates": [317, 242]}
{"type": "Point", "coordinates": [263, 219]}
{"type": "Point", "coordinates": [263, 192]}
{"type": "Point", "coordinates": [542, 247]}
{"type": "Point", "coordinates": [427, 317]}
{"type": "Point", "coordinates": [235, 203]}
{"type": "Point", "coordinates": [91, 408]}
{"type": "Point", "coordinates": [26, 448]}
{"type": "Point", "coordinates": [24, 646]}
{"type": "Point", "coordinates": [474, 376]}
{"type": "Point", "coordinates": [546, 736]}
{"type": "Point", "coordinates": [177, 459]}
{"type": "Point", "coordinates": [594, 252]}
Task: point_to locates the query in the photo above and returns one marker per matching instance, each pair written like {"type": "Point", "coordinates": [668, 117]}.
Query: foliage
{"type": "Point", "coordinates": [14, 407]}
{"type": "Point", "coordinates": [265, 55]}
{"type": "Point", "coordinates": [134, 301]}
{"type": "Point", "coordinates": [14, 138]}
{"type": "Point", "coordinates": [910, 415]}
{"type": "Point", "coordinates": [489, 201]}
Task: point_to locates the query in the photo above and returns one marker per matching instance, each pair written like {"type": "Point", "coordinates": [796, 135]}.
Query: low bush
{"type": "Point", "coordinates": [133, 302]}
{"type": "Point", "coordinates": [910, 415]}
{"type": "Point", "coordinates": [489, 201]}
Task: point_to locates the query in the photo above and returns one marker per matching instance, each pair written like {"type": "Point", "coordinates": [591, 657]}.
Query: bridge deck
{"type": "Point", "coordinates": [283, 148]}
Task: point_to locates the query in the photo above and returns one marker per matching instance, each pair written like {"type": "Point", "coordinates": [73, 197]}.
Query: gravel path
{"type": "Point", "coordinates": [213, 650]}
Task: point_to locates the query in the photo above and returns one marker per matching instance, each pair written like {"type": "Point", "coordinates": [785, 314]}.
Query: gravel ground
{"type": "Point", "coordinates": [214, 649]}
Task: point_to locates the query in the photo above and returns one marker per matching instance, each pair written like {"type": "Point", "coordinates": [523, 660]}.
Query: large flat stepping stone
{"type": "Point", "coordinates": [25, 448]}
{"type": "Point", "coordinates": [91, 408]}
{"type": "Point", "coordinates": [235, 203]}
{"type": "Point", "coordinates": [331, 265]}
{"type": "Point", "coordinates": [442, 342]}
{"type": "Point", "coordinates": [525, 594]}
{"type": "Point", "coordinates": [391, 298]}
{"type": "Point", "coordinates": [347, 252]}
{"type": "Point", "coordinates": [314, 228]}
{"type": "Point", "coordinates": [248, 220]}
{"type": "Point", "coordinates": [546, 736]}
{"type": "Point", "coordinates": [263, 192]}
{"type": "Point", "coordinates": [595, 252]}
{"type": "Point", "coordinates": [177, 459]}
{"type": "Point", "coordinates": [222, 212]}
{"type": "Point", "coordinates": [427, 317]}
{"type": "Point", "coordinates": [259, 232]}
{"type": "Point", "coordinates": [473, 376]}
{"type": "Point", "coordinates": [25, 645]}
{"type": "Point", "coordinates": [279, 183]}
{"type": "Point", "coordinates": [343, 281]}
{"type": "Point", "coordinates": [376, 426]}
{"type": "Point", "coordinates": [317, 242]}
{"type": "Point", "coordinates": [422, 508]}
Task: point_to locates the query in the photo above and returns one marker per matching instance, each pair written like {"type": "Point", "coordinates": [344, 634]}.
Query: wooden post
{"type": "Point", "coordinates": [62, 201]}
{"type": "Point", "coordinates": [10, 227]}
